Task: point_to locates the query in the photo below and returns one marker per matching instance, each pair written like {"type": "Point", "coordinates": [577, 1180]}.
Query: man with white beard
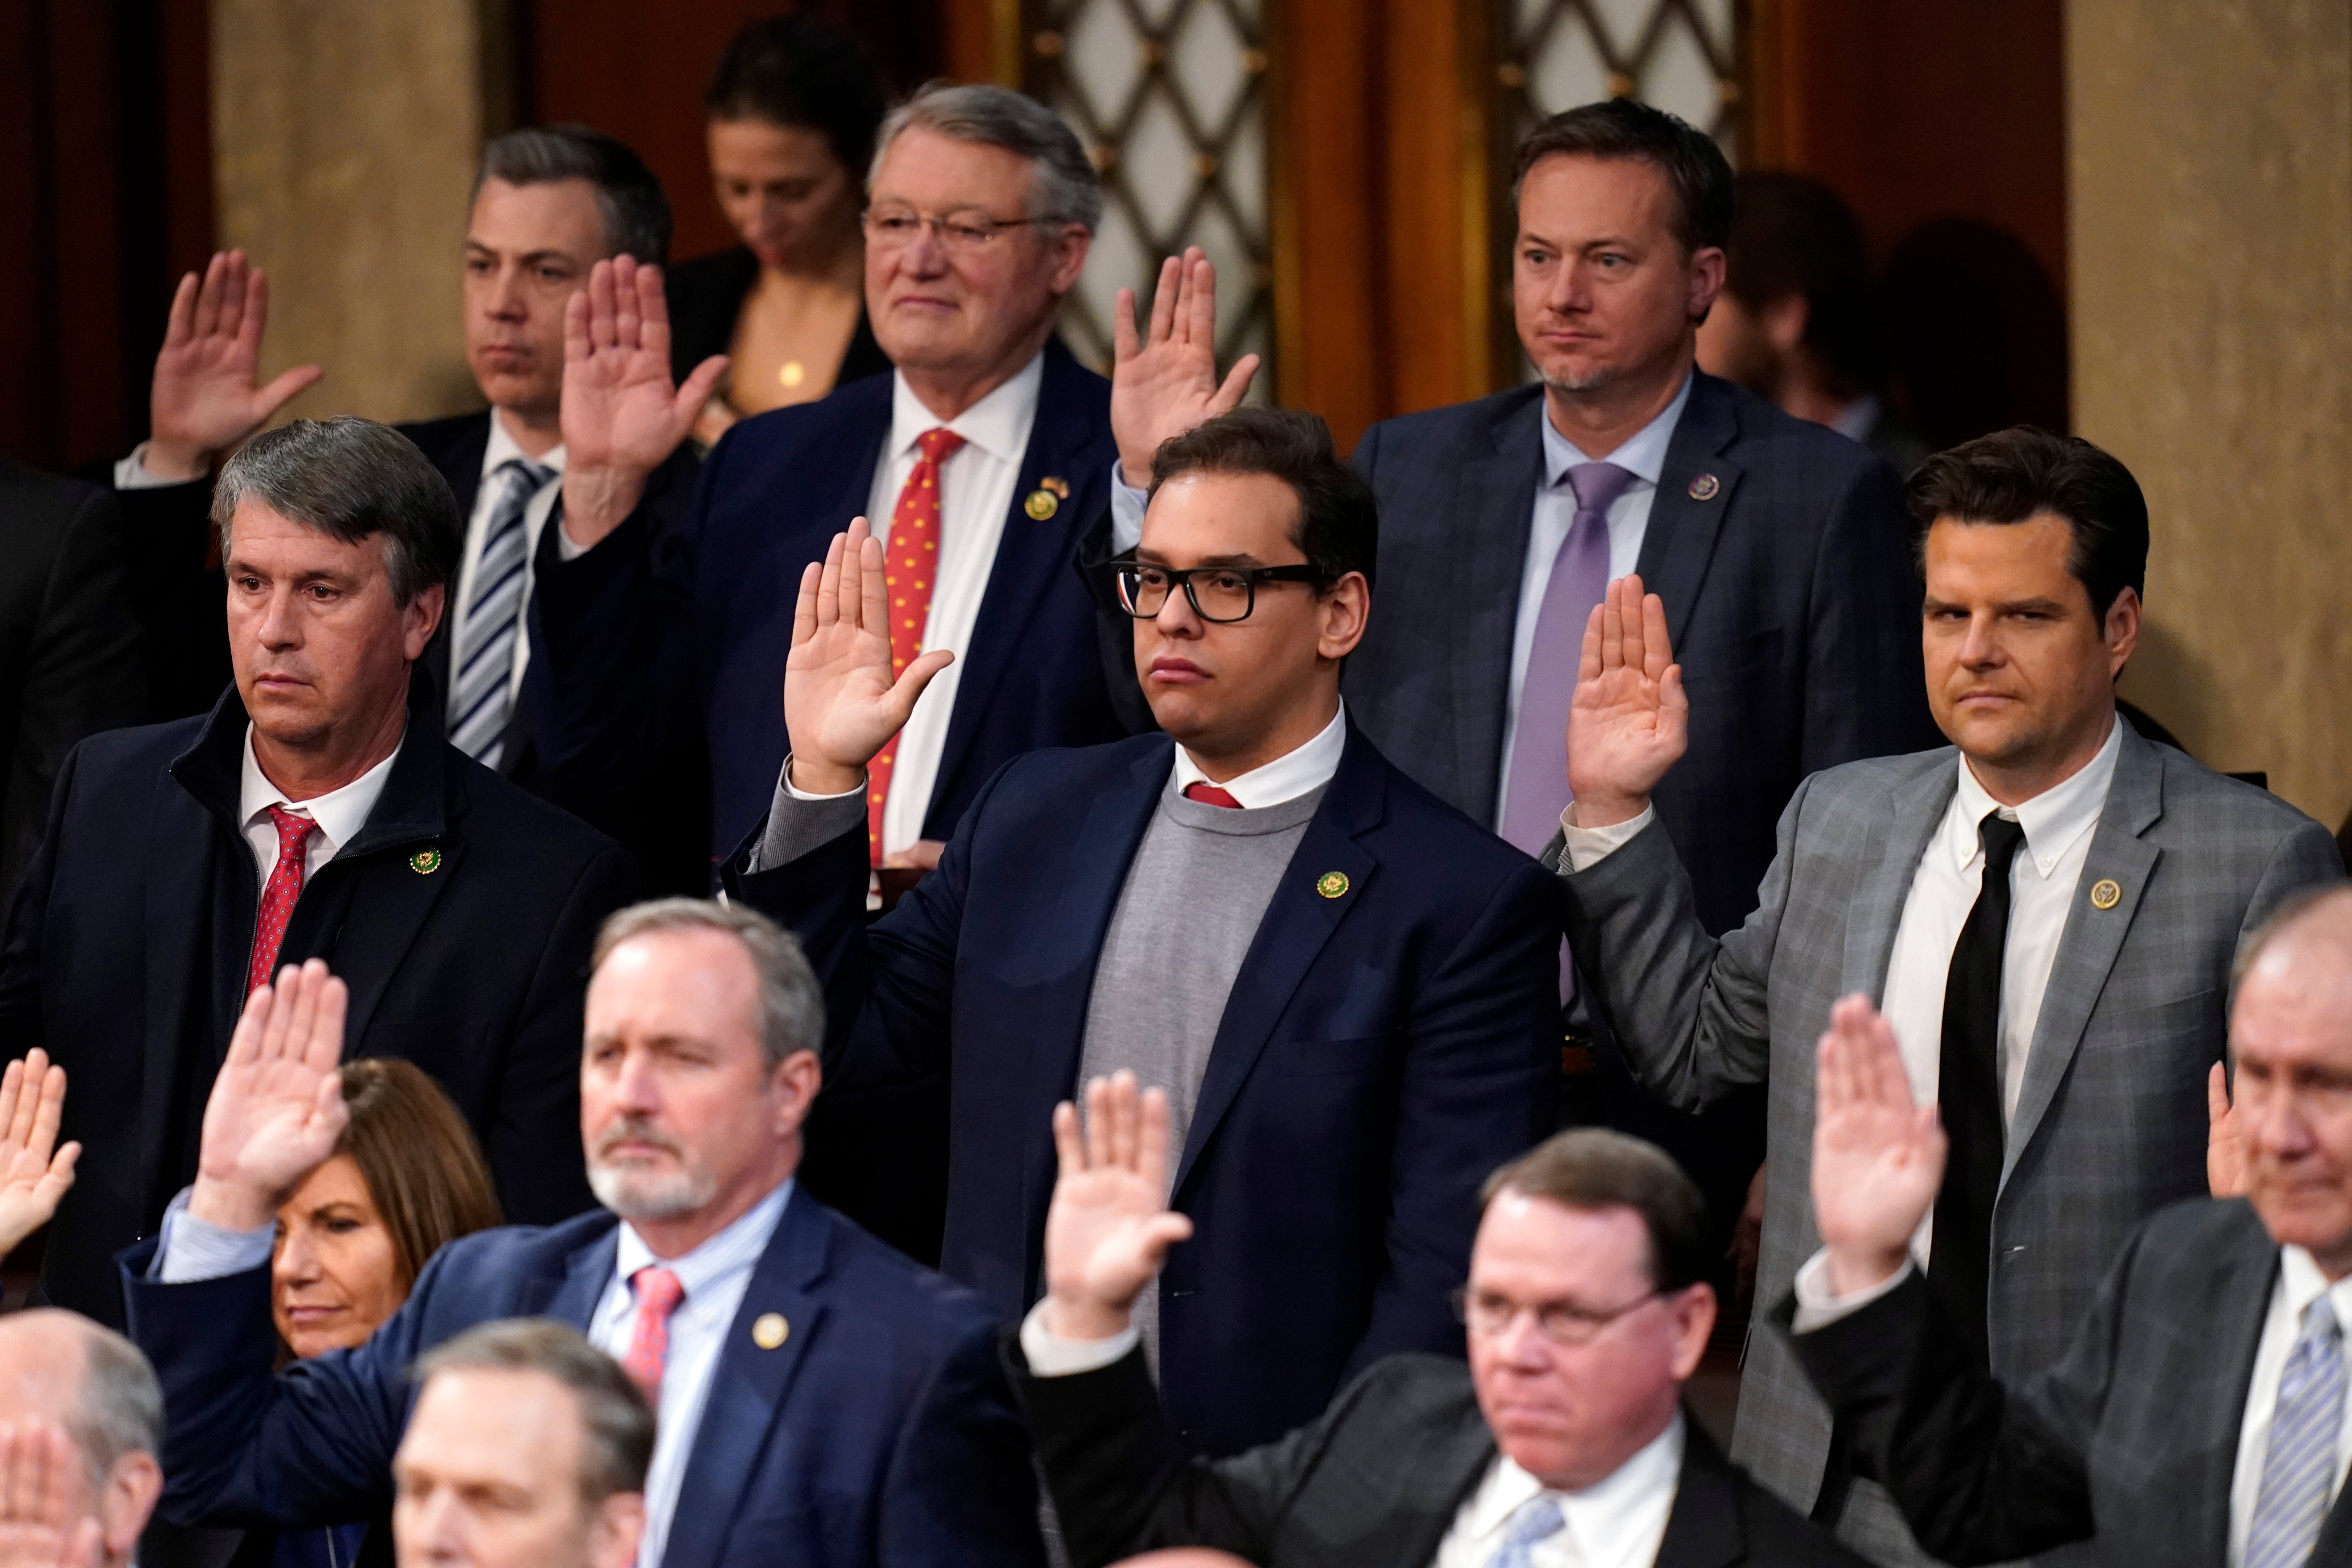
{"type": "Point", "coordinates": [840, 1404]}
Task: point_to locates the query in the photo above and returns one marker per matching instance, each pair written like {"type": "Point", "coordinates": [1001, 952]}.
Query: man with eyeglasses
{"type": "Point", "coordinates": [1562, 1442]}
{"type": "Point", "coordinates": [1347, 990]}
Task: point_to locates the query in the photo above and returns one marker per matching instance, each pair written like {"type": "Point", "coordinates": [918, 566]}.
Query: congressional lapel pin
{"type": "Point", "coordinates": [1331, 884]}
{"type": "Point", "coordinates": [424, 862]}
{"type": "Point", "coordinates": [770, 1331]}
{"type": "Point", "coordinates": [1041, 504]}
{"type": "Point", "coordinates": [1706, 488]}
{"type": "Point", "coordinates": [2105, 893]}
{"type": "Point", "coordinates": [1060, 486]}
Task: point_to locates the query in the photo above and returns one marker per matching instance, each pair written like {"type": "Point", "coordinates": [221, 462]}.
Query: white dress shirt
{"type": "Point", "coordinates": [501, 449]}
{"type": "Point", "coordinates": [339, 813]}
{"type": "Point", "coordinates": [1288, 776]}
{"type": "Point", "coordinates": [975, 493]}
{"type": "Point", "coordinates": [2059, 824]}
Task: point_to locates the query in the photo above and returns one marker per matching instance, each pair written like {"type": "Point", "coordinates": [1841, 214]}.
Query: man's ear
{"type": "Point", "coordinates": [1346, 610]}
{"type": "Point", "coordinates": [2121, 631]}
{"type": "Point", "coordinates": [127, 1501]}
{"type": "Point", "coordinates": [421, 620]}
{"type": "Point", "coordinates": [613, 1534]}
{"type": "Point", "coordinates": [796, 1078]}
{"type": "Point", "coordinates": [1694, 1325]}
{"type": "Point", "coordinates": [1707, 269]}
{"type": "Point", "coordinates": [1070, 248]}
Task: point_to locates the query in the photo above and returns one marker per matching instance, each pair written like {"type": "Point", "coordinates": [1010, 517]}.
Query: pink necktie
{"type": "Point", "coordinates": [658, 1294]}
{"type": "Point", "coordinates": [279, 895]}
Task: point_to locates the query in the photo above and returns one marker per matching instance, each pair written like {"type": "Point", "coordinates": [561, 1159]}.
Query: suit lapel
{"type": "Point", "coordinates": [1679, 541]}
{"type": "Point", "coordinates": [1916, 807]}
{"type": "Point", "coordinates": [1460, 1463]}
{"type": "Point", "coordinates": [583, 1283]}
{"type": "Point", "coordinates": [2215, 1402]}
{"type": "Point", "coordinates": [1298, 921]}
{"type": "Point", "coordinates": [2093, 936]}
{"type": "Point", "coordinates": [1494, 510]}
{"type": "Point", "coordinates": [1703, 1527]}
{"type": "Point", "coordinates": [749, 1385]}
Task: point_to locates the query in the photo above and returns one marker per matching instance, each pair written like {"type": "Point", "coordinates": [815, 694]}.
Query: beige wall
{"type": "Point", "coordinates": [344, 139]}
{"type": "Point", "coordinates": [2210, 164]}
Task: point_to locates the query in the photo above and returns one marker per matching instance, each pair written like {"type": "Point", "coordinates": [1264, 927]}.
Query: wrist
{"type": "Point", "coordinates": [596, 501]}
{"type": "Point", "coordinates": [1853, 1269]}
{"type": "Point", "coordinates": [1134, 474]}
{"type": "Point", "coordinates": [177, 461]}
{"type": "Point", "coordinates": [1604, 810]}
{"type": "Point", "coordinates": [1081, 1320]}
{"type": "Point", "coordinates": [812, 776]}
{"type": "Point", "coordinates": [230, 1205]}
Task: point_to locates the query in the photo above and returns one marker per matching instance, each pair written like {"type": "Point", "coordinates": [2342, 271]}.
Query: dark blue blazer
{"type": "Point", "coordinates": [1389, 1041]}
{"type": "Point", "coordinates": [710, 604]}
{"type": "Point", "coordinates": [880, 1432]}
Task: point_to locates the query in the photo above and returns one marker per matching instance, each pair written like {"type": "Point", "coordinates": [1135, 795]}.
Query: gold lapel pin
{"type": "Point", "coordinates": [1705, 487]}
{"type": "Point", "coordinates": [770, 1331]}
{"type": "Point", "coordinates": [2106, 893]}
{"type": "Point", "coordinates": [1041, 505]}
{"type": "Point", "coordinates": [424, 862]}
{"type": "Point", "coordinates": [1060, 486]}
{"type": "Point", "coordinates": [1331, 884]}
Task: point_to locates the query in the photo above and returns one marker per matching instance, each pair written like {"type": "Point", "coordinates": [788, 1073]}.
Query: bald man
{"type": "Point", "coordinates": [2201, 1414]}
{"type": "Point", "coordinates": [80, 1416]}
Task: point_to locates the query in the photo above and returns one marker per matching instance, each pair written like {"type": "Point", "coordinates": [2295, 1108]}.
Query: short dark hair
{"type": "Point", "coordinates": [1793, 235]}
{"type": "Point", "coordinates": [1594, 1168]}
{"type": "Point", "coordinates": [1627, 128]}
{"type": "Point", "coordinates": [349, 478]}
{"type": "Point", "coordinates": [616, 1444]}
{"type": "Point", "coordinates": [1338, 522]}
{"type": "Point", "coordinates": [629, 195]}
{"type": "Point", "coordinates": [2012, 475]}
{"type": "Point", "coordinates": [798, 72]}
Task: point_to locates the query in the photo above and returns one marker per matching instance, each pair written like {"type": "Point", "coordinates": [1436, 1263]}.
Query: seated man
{"type": "Point", "coordinates": [1350, 991]}
{"type": "Point", "coordinates": [2197, 1416]}
{"type": "Point", "coordinates": [842, 1407]}
{"type": "Point", "coordinates": [81, 1419]}
{"type": "Point", "coordinates": [1588, 1306]}
{"type": "Point", "coordinates": [528, 1448]}
{"type": "Point", "coordinates": [320, 809]}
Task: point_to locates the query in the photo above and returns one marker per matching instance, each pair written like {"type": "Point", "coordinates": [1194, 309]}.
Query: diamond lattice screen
{"type": "Point", "coordinates": [1169, 97]}
{"type": "Point", "coordinates": [1681, 55]}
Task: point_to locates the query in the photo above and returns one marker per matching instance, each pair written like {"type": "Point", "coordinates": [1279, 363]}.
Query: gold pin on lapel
{"type": "Point", "coordinates": [2105, 893]}
{"type": "Point", "coordinates": [424, 862]}
{"type": "Point", "coordinates": [1041, 505]}
{"type": "Point", "coordinates": [1705, 487]}
{"type": "Point", "coordinates": [1060, 486]}
{"type": "Point", "coordinates": [770, 1331]}
{"type": "Point", "coordinates": [1331, 884]}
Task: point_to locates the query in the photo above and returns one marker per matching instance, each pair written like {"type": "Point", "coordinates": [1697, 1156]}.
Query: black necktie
{"type": "Point", "coordinates": [1969, 1088]}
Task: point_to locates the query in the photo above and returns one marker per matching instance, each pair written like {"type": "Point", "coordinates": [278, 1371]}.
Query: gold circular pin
{"type": "Point", "coordinates": [424, 862]}
{"type": "Point", "coordinates": [2105, 893]}
{"type": "Point", "coordinates": [1705, 487]}
{"type": "Point", "coordinates": [1331, 884]}
{"type": "Point", "coordinates": [770, 1331]}
{"type": "Point", "coordinates": [1041, 504]}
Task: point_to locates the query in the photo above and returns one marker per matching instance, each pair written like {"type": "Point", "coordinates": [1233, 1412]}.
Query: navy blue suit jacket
{"type": "Point", "coordinates": [881, 1432]}
{"type": "Point", "coordinates": [1388, 1042]}
{"type": "Point", "coordinates": [709, 607]}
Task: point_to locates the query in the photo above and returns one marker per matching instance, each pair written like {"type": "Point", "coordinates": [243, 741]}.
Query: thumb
{"type": "Point", "coordinates": [1672, 700]}
{"type": "Point", "coordinates": [1237, 384]}
{"type": "Point", "coordinates": [1163, 1231]}
{"type": "Point", "coordinates": [283, 390]}
{"type": "Point", "coordinates": [2217, 1095]}
{"type": "Point", "coordinates": [699, 385]}
{"type": "Point", "coordinates": [918, 675]}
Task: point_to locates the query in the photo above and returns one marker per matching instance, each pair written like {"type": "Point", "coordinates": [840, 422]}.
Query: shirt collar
{"type": "Point", "coordinates": [733, 1250]}
{"type": "Point", "coordinates": [1644, 456]}
{"type": "Point", "coordinates": [1288, 776]}
{"type": "Point", "coordinates": [339, 813]}
{"type": "Point", "coordinates": [2053, 820]}
{"type": "Point", "coordinates": [2300, 1278]}
{"type": "Point", "coordinates": [502, 447]}
{"type": "Point", "coordinates": [1601, 1515]}
{"type": "Point", "coordinates": [998, 424]}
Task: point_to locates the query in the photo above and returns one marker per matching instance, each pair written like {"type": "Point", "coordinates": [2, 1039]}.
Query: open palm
{"type": "Point", "coordinates": [620, 407]}
{"type": "Point", "coordinates": [1878, 1155]}
{"type": "Point", "coordinates": [1629, 721]}
{"type": "Point", "coordinates": [42, 1523]}
{"type": "Point", "coordinates": [203, 398]}
{"type": "Point", "coordinates": [1164, 385]}
{"type": "Point", "coordinates": [32, 1177]}
{"type": "Point", "coordinates": [842, 701]}
{"type": "Point", "coordinates": [1108, 1227]}
{"type": "Point", "coordinates": [276, 1107]}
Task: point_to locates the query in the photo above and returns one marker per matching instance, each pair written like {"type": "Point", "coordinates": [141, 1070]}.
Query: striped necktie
{"type": "Point", "coordinates": [2299, 1464]}
{"type": "Point", "coordinates": [1536, 1520]}
{"type": "Point", "coordinates": [482, 694]}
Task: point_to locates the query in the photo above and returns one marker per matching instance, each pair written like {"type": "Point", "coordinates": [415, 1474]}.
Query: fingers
{"type": "Point", "coordinates": [41, 1114]}
{"type": "Point", "coordinates": [908, 688]}
{"type": "Point", "coordinates": [804, 608]}
{"type": "Point", "coordinates": [323, 1047]}
{"type": "Point", "coordinates": [1123, 345]}
{"type": "Point", "coordinates": [1164, 298]}
{"type": "Point", "coordinates": [828, 585]}
{"type": "Point", "coordinates": [576, 344]}
{"type": "Point", "coordinates": [12, 1083]}
{"type": "Point", "coordinates": [286, 388]}
{"type": "Point", "coordinates": [1612, 627]}
{"type": "Point", "coordinates": [256, 315]}
{"type": "Point", "coordinates": [1237, 385]}
{"type": "Point", "coordinates": [1151, 1147]}
{"type": "Point", "coordinates": [1069, 1150]}
{"type": "Point", "coordinates": [873, 601]}
{"type": "Point", "coordinates": [209, 295]}
{"type": "Point", "coordinates": [1199, 298]}
{"type": "Point", "coordinates": [653, 314]}
{"type": "Point", "coordinates": [1123, 1118]}
{"type": "Point", "coordinates": [61, 1176]}
{"type": "Point", "coordinates": [1098, 1123]}
{"type": "Point", "coordinates": [181, 324]}
{"type": "Point", "coordinates": [628, 317]}
{"type": "Point", "coordinates": [1657, 652]}
{"type": "Point", "coordinates": [2217, 1095]}
{"type": "Point", "coordinates": [245, 1044]}
{"type": "Point", "coordinates": [1588, 662]}
{"type": "Point", "coordinates": [601, 311]}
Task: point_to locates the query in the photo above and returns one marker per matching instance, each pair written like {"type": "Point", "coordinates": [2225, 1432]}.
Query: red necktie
{"type": "Point", "coordinates": [658, 1294]}
{"type": "Point", "coordinates": [911, 559]}
{"type": "Point", "coordinates": [284, 885]}
{"type": "Point", "coordinates": [1210, 794]}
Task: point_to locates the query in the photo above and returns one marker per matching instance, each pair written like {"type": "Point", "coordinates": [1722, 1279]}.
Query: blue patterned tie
{"type": "Point", "coordinates": [1537, 1519]}
{"type": "Point", "coordinates": [483, 692]}
{"type": "Point", "coordinates": [2299, 1465]}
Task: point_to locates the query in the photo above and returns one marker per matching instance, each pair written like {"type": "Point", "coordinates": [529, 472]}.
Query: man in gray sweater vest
{"type": "Point", "coordinates": [1349, 991]}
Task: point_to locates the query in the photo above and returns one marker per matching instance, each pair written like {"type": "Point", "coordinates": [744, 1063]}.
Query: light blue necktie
{"type": "Point", "coordinates": [482, 692]}
{"type": "Point", "coordinates": [2299, 1465]}
{"type": "Point", "coordinates": [1537, 1519]}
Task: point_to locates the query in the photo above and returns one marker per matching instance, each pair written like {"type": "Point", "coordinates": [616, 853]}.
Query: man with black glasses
{"type": "Point", "coordinates": [1349, 991]}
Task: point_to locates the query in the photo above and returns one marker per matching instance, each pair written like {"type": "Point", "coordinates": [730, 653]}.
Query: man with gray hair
{"type": "Point", "coordinates": [320, 810]}
{"type": "Point", "coordinates": [80, 1421]}
{"type": "Point", "coordinates": [981, 462]}
{"type": "Point", "coordinates": [842, 1407]}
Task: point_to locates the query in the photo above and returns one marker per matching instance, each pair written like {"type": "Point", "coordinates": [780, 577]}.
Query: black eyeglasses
{"type": "Point", "coordinates": [1218, 594]}
{"type": "Point", "coordinates": [1561, 1322]}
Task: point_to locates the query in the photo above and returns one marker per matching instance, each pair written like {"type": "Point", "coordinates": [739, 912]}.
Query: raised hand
{"type": "Point", "coordinates": [1629, 721]}
{"type": "Point", "coordinates": [204, 400]}
{"type": "Point", "coordinates": [1109, 1226]}
{"type": "Point", "coordinates": [2225, 1138]}
{"type": "Point", "coordinates": [1168, 383]}
{"type": "Point", "coordinates": [841, 704]}
{"type": "Point", "coordinates": [277, 1106]}
{"type": "Point", "coordinates": [621, 415]}
{"type": "Point", "coordinates": [32, 1179]}
{"type": "Point", "coordinates": [1878, 1156]}
{"type": "Point", "coordinates": [43, 1523]}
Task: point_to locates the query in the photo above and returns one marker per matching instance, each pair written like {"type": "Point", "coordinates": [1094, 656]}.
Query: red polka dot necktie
{"type": "Point", "coordinates": [911, 559]}
{"type": "Point", "coordinates": [658, 1293]}
{"type": "Point", "coordinates": [278, 896]}
{"type": "Point", "coordinates": [1210, 794]}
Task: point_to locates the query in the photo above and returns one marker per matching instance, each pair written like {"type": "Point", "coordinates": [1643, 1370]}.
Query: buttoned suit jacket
{"type": "Point", "coordinates": [2110, 1123]}
{"type": "Point", "coordinates": [879, 1433]}
{"type": "Point", "coordinates": [2128, 1442]}
{"type": "Point", "coordinates": [1373, 1483]}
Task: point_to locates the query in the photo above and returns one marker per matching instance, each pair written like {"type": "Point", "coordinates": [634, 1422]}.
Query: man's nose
{"type": "Point", "coordinates": [1176, 617]}
{"type": "Point", "coordinates": [1569, 293]}
{"type": "Point", "coordinates": [281, 625]}
{"type": "Point", "coordinates": [1981, 646]}
{"type": "Point", "coordinates": [507, 303]}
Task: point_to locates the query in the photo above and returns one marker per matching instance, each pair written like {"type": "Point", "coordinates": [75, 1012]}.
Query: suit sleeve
{"type": "Point", "coordinates": [2305, 858]}
{"type": "Point", "coordinates": [960, 1487]}
{"type": "Point", "coordinates": [1688, 1011]}
{"type": "Point", "coordinates": [21, 1027]}
{"type": "Point", "coordinates": [534, 1142]}
{"type": "Point", "coordinates": [1865, 688]}
{"type": "Point", "coordinates": [1481, 1073]}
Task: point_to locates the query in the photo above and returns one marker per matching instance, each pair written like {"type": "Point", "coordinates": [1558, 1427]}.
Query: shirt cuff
{"type": "Point", "coordinates": [1051, 1355]}
{"type": "Point", "coordinates": [1818, 1305]}
{"type": "Point", "coordinates": [798, 822]}
{"type": "Point", "coordinates": [131, 474]}
{"type": "Point", "coordinates": [1126, 504]}
{"type": "Point", "coordinates": [1586, 848]}
{"type": "Point", "coordinates": [192, 1249]}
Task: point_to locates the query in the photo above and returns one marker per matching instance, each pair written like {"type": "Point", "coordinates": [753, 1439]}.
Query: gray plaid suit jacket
{"type": "Point", "coordinates": [2110, 1124]}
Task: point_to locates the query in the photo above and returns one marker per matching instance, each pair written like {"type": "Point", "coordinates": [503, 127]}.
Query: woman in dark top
{"type": "Point", "coordinates": [792, 106]}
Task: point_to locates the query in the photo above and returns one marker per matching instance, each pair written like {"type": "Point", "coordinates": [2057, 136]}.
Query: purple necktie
{"type": "Point", "coordinates": [1537, 790]}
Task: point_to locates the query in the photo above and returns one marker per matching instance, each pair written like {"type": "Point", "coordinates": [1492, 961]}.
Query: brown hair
{"type": "Point", "coordinates": [422, 1166]}
{"type": "Point", "coordinates": [1338, 526]}
{"type": "Point", "coordinates": [1694, 167]}
{"type": "Point", "coordinates": [1594, 1168]}
{"type": "Point", "coordinates": [2015, 475]}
